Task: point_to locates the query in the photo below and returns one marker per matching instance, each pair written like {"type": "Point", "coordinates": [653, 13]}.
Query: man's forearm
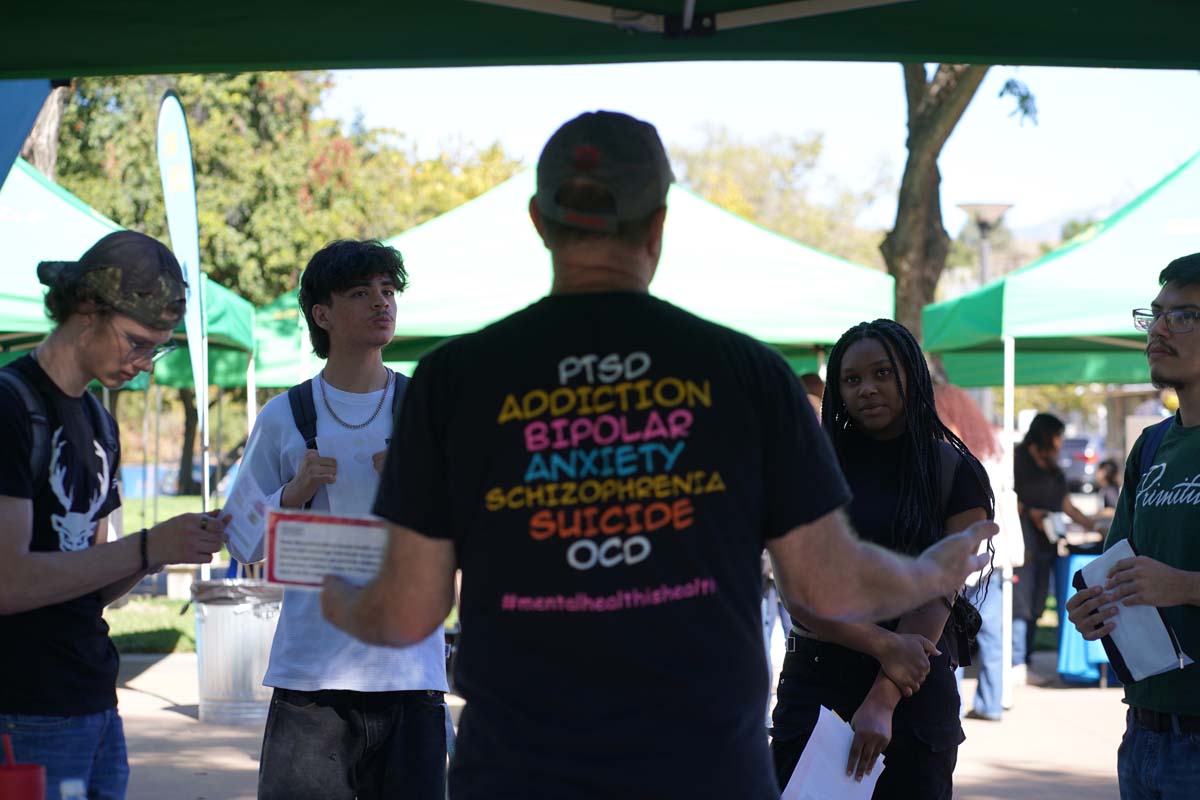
{"type": "Point", "coordinates": [825, 568]}
{"type": "Point", "coordinates": [888, 584]}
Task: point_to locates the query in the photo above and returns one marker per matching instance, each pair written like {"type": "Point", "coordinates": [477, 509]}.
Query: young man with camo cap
{"type": "Point", "coordinates": [114, 310]}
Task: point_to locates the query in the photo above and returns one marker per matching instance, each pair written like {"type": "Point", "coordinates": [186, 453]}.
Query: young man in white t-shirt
{"type": "Point", "coordinates": [347, 719]}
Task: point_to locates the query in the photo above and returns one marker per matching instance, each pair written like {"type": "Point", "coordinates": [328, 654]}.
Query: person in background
{"type": "Point", "coordinates": [814, 387]}
{"type": "Point", "coordinates": [1108, 475]}
{"type": "Point", "coordinates": [913, 482]}
{"type": "Point", "coordinates": [1041, 491]}
{"type": "Point", "coordinates": [963, 417]}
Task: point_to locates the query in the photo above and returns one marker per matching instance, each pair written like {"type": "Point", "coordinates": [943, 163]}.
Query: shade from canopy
{"type": "Point", "coordinates": [1069, 311]}
{"type": "Point", "coordinates": [74, 37]}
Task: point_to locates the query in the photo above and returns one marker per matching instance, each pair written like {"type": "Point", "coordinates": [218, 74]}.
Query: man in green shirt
{"type": "Point", "coordinates": [1159, 512]}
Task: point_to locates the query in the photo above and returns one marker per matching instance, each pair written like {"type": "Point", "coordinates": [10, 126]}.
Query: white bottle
{"type": "Point", "coordinates": [72, 789]}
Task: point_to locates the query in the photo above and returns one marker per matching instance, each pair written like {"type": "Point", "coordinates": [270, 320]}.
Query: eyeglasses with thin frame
{"type": "Point", "coordinates": [1178, 320]}
{"type": "Point", "coordinates": [145, 351]}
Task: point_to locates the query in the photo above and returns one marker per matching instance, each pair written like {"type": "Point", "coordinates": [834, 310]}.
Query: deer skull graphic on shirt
{"type": "Point", "coordinates": [75, 528]}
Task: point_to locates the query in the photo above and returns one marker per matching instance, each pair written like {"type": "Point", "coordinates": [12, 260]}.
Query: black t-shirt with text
{"type": "Point", "coordinates": [60, 661]}
{"type": "Point", "coordinates": [609, 468]}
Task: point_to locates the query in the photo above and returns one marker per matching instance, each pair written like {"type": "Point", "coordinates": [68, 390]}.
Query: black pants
{"type": "Point", "coordinates": [330, 745]}
{"type": "Point", "coordinates": [1030, 593]}
{"type": "Point", "coordinates": [919, 766]}
{"type": "Point", "coordinates": [914, 771]}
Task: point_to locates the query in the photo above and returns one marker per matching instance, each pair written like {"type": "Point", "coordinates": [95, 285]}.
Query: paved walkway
{"type": "Point", "coordinates": [1057, 742]}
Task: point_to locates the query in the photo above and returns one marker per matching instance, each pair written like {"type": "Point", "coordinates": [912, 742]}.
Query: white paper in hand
{"type": "Point", "coordinates": [820, 773]}
{"type": "Point", "coordinates": [1139, 634]}
{"type": "Point", "coordinates": [246, 507]}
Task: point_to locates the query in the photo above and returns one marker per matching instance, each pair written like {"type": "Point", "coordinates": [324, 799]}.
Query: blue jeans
{"type": "Point", "coordinates": [87, 747]}
{"type": "Point", "coordinates": [1158, 766]}
{"type": "Point", "coordinates": [989, 693]}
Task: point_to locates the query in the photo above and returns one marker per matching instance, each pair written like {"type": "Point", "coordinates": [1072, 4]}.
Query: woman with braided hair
{"type": "Point", "coordinates": [914, 482]}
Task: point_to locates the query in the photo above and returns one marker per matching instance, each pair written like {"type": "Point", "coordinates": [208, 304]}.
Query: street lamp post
{"type": "Point", "coordinates": [987, 217]}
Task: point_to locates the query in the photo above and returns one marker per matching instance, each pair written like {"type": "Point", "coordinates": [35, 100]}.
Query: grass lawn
{"type": "Point", "coordinates": [139, 514]}
{"type": "Point", "coordinates": [152, 625]}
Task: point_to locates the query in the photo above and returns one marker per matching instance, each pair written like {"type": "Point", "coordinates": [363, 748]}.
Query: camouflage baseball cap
{"type": "Point", "coordinates": [131, 272]}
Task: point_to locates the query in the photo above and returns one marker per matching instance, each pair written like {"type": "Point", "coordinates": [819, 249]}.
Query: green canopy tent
{"type": "Point", "coordinates": [483, 260]}
{"type": "Point", "coordinates": [125, 37]}
{"type": "Point", "coordinates": [1067, 315]}
{"type": "Point", "coordinates": [41, 221]}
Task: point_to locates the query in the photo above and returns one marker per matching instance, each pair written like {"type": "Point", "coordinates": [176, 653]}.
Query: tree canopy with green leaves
{"type": "Point", "coordinates": [274, 182]}
{"type": "Point", "coordinates": [774, 182]}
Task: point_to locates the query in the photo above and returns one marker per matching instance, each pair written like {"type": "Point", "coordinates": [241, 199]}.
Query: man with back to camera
{"type": "Point", "coordinates": [1159, 757]}
{"type": "Point", "coordinates": [606, 469]}
{"type": "Point", "coordinates": [114, 311]}
{"type": "Point", "coordinates": [347, 719]}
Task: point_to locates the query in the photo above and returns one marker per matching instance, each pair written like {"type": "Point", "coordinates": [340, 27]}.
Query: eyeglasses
{"type": "Point", "coordinates": [145, 351]}
{"type": "Point", "coordinates": [1178, 320]}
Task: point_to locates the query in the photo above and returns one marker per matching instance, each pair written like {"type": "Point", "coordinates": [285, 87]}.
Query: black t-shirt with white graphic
{"type": "Point", "coordinates": [609, 468]}
{"type": "Point", "coordinates": [59, 659]}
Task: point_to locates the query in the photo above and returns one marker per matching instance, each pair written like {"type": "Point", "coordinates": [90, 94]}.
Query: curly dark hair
{"type": "Point", "coordinates": [338, 266]}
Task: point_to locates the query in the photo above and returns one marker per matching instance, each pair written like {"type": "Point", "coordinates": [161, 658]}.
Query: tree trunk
{"type": "Point", "coordinates": [187, 483]}
{"type": "Point", "coordinates": [915, 250]}
{"type": "Point", "coordinates": [41, 146]}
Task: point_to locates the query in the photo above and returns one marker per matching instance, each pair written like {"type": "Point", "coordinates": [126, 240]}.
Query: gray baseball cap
{"type": "Point", "coordinates": [134, 274]}
{"type": "Point", "coordinates": [622, 154]}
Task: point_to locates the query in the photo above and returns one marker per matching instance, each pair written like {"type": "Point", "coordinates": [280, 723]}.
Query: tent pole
{"type": "Point", "coordinates": [251, 387]}
{"type": "Point", "coordinates": [1008, 496]}
{"type": "Point", "coordinates": [157, 437]}
{"type": "Point", "coordinates": [205, 483]}
{"type": "Point", "coordinates": [146, 450]}
{"type": "Point", "coordinates": [220, 427]}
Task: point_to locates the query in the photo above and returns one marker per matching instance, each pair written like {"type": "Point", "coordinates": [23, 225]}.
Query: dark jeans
{"type": "Point", "coordinates": [87, 747]}
{"type": "Point", "coordinates": [329, 745]}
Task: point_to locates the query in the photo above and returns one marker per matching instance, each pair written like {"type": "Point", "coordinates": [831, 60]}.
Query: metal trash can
{"type": "Point", "coordinates": [235, 623]}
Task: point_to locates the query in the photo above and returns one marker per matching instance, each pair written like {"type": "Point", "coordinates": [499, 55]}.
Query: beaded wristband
{"type": "Point", "coordinates": [143, 534]}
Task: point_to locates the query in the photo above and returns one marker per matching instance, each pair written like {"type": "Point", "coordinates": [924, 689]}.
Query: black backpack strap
{"type": "Point", "coordinates": [1154, 437]}
{"type": "Point", "coordinates": [39, 425]}
{"type": "Point", "coordinates": [401, 386]}
{"type": "Point", "coordinates": [304, 412]}
{"type": "Point", "coordinates": [103, 425]}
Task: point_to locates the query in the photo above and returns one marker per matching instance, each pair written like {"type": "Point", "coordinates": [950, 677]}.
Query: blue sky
{"type": "Point", "coordinates": [1102, 135]}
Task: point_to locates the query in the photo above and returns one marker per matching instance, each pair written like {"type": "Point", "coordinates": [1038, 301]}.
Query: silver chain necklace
{"type": "Point", "coordinates": [325, 397]}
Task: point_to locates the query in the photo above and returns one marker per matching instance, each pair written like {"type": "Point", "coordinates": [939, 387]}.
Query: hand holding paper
{"type": "Point", "coordinates": [820, 773]}
{"type": "Point", "coordinates": [1137, 640]}
{"type": "Point", "coordinates": [1144, 581]}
